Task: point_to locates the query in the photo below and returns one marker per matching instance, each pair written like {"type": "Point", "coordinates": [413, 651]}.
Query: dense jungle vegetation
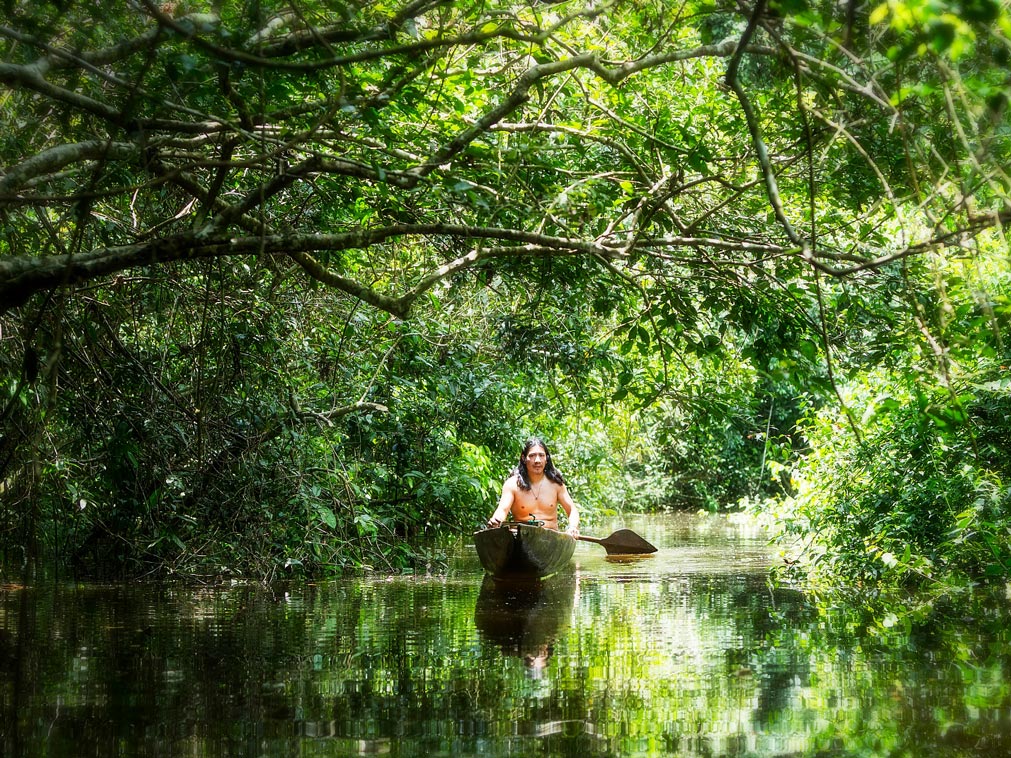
{"type": "Point", "coordinates": [284, 284]}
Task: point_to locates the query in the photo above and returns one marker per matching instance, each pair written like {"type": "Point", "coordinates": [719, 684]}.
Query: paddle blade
{"type": "Point", "coordinates": [623, 542]}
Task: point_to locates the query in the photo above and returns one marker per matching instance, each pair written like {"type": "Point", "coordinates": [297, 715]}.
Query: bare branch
{"type": "Point", "coordinates": [31, 78]}
{"type": "Point", "coordinates": [59, 157]}
{"type": "Point", "coordinates": [21, 277]}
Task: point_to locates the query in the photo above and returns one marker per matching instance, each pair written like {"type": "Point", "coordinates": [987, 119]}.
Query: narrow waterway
{"type": "Point", "coordinates": [690, 652]}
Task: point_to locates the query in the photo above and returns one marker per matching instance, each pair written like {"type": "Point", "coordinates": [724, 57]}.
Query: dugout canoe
{"type": "Point", "coordinates": [522, 551]}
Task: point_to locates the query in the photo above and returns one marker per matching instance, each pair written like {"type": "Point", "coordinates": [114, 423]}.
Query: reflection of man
{"type": "Point", "coordinates": [534, 490]}
{"type": "Point", "coordinates": [537, 660]}
{"type": "Point", "coordinates": [525, 620]}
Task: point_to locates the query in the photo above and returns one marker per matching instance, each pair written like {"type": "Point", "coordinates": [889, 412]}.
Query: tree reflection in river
{"type": "Point", "coordinates": [689, 654]}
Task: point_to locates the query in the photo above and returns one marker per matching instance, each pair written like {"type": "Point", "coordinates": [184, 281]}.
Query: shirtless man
{"type": "Point", "coordinates": [536, 489]}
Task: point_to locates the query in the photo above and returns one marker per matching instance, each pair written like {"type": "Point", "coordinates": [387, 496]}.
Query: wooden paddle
{"type": "Point", "coordinates": [622, 542]}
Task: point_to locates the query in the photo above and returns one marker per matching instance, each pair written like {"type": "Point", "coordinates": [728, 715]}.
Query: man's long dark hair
{"type": "Point", "coordinates": [523, 478]}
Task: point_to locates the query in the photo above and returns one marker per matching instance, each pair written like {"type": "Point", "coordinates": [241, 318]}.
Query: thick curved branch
{"type": "Point", "coordinates": [31, 78]}
{"type": "Point", "coordinates": [61, 156]}
{"type": "Point", "coordinates": [57, 58]}
{"type": "Point", "coordinates": [22, 277]}
{"type": "Point", "coordinates": [194, 27]}
{"type": "Point", "coordinates": [269, 43]}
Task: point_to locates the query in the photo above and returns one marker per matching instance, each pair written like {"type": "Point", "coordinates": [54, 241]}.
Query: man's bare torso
{"type": "Point", "coordinates": [540, 501]}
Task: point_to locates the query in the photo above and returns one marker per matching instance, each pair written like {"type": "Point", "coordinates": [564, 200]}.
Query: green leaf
{"type": "Point", "coordinates": [327, 516]}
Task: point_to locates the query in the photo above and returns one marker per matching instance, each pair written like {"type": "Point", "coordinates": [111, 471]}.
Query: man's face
{"type": "Point", "coordinates": [536, 459]}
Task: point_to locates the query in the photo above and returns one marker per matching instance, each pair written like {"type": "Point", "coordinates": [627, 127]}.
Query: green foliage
{"type": "Point", "coordinates": [283, 288]}
{"type": "Point", "coordinates": [907, 481]}
{"type": "Point", "coordinates": [922, 498]}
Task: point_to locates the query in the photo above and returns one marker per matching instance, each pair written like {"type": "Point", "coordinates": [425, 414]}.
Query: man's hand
{"type": "Point", "coordinates": [493, 523]}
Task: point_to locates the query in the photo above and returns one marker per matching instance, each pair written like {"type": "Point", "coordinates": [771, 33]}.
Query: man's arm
{"type": "Point", "coordinates": [504, 504]}
{"type": "Point", "coordinates": [571, 510]}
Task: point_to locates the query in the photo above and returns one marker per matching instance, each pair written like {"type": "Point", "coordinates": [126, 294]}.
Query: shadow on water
{"type": "Point", "coordinates": [690, 652]}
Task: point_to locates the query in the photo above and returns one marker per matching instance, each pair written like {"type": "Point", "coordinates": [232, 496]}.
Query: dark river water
{"type": "Point", "coordinates": [690, 652]}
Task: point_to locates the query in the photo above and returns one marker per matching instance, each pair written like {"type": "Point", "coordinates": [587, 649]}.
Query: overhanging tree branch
{"type": "Point", "coordinates": [21, 277]}
{"type": "Point", "coordinates": [751, 118]}
{"type": "Point", "coordinates": [59, 157]}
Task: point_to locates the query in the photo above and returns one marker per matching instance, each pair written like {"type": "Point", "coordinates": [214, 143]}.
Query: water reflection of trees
{"type": "Point", "coordinates": [690, 665]}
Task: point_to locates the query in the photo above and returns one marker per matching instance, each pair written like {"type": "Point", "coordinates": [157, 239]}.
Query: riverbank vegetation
{"type": "Point", "coordinates": [284, 285]}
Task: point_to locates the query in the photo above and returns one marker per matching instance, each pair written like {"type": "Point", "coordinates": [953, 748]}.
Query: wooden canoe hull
{"type": "Point", "coordinates": [521, 551]}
